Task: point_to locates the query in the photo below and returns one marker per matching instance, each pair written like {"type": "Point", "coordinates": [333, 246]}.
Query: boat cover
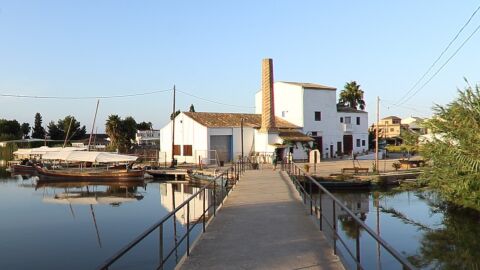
{"type": "Point", "coordinates": [92, 156]}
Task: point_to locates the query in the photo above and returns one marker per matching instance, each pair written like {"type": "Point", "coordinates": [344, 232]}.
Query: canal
{"type": "Point", "coordinates": [77, 226]}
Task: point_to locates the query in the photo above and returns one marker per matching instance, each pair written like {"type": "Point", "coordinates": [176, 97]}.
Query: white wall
{"type": "Point", "coordinates": [187, 132]}
{"type": "Point", "coordinates": [357, 131]}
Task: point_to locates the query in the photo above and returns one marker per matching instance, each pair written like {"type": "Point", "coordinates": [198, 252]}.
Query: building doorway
{"type": "Point", "coordinates": [347, 144]}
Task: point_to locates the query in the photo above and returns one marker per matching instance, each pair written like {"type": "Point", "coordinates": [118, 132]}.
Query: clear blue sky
{"type": "Point", "coordinates": [213, 49]}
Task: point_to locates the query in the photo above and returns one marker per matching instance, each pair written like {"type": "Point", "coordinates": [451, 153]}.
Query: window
{"type": "Point", "coordinates": [341, 119]}
{"type": "Point", "coordinates": [363, 142]}
{"type": "Point", "coordinates": [348, 120]}
{"type": "Point", "coordinates": [358, 142]}
{"type": "Point", "coordinates": [314, 133]}
{"type": "Point", "coordinates": [187, 150]}
{"type": "Point", "coordinates": [318, 116]}
{"type": "Point", "coordinates": [284, 113]}
{"type": "Point", "coordinates": [176, 150]}
{"type": "Point", "coordinates": [392, 129]}
{"type": "Point", "coordinates": [358, 120]}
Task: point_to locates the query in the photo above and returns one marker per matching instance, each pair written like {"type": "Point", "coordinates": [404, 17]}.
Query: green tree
{"type": "Point", "coordinates": [10, 130]}
{"type": "Point", "coordinates": [121, 132]}
{"type": "Point", "coordinates": [38, 130]}
{"type": "Point", "coordinates": [144, 126]}
{"type": "Point", "coordinates": [26, 130]}
{"type": "Point", "coordinates": [129, 130]}
{"type": "Point", "coordinates": [455, 150]}
{"type": "Point", "coordinates": [59, 130]}
{"type": "Point", "coordinates": [176, 113]}
{"type": "Point", "coordinates": [352, 96]}
{"type": "Point", "coordinates": [112, 128]}
{"type": "Point", "coordinates": [192, 108]}
{"type": "Point", "coordinates": [54, 132]}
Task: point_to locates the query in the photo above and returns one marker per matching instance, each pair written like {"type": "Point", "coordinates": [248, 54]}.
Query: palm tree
{"type": "Point", "coordinates": [112, 128]}
{"type": "Point", "coordinates": [352, 96]}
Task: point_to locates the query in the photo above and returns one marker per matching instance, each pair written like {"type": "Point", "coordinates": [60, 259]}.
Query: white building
{"type": "Point", "coordinates": [290, 118]}
{"type": "Point", "coordinates": [313, 107]}
{"type": "Point", "coordinates": [211, 137]}
{"type": "Point", "coordinates": [147, 137]}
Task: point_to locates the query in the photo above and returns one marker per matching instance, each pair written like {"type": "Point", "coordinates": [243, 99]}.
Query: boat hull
{"type": "Point", "coordinates": [103, 176]}
{"type": "Point", "coordinates": [23, 169]}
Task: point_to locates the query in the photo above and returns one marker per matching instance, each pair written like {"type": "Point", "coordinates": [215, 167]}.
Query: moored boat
{"type": "Point", "coordinates": [92, 175]}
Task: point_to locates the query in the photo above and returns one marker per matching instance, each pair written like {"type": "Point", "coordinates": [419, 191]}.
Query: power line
{"type": "Point", "coordinates": [85, 97]}
{"type": "Point", "coordinates": [440, 56]}
{"type": "Point", "coordinates": [444, 64]}
{"type": "Point", "coordinates": [213, 101]}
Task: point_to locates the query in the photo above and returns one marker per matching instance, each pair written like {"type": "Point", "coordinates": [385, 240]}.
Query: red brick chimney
{"type": "Point", "coordinates": [268, 106]}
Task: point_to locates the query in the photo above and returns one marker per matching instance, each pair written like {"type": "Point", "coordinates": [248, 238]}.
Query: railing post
{"type": "Point", "coordinates": [305, 194]}
{"type": "Point", "coordinates": [334, 221]}
{"type": "Point", "coordinates": [320, 209]}
{"type": "Point", "coordinates": [358, 246]}
{"type": "Point", "coordinates": [188, 228]}
{"type": "Point", "coordinates": [161, 245]}
{"type": "Point", "coordinates": [204, 214]}
{"type": "Point", "coordinates": [221, 189]}
{"type": "Point", "coordinates": [311, 198]}
{"type": "Point", "coordinates": [214, 197]}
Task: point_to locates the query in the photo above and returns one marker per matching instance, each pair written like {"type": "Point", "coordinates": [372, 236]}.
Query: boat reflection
{"type": "Point", "coordinates": [90, 193]}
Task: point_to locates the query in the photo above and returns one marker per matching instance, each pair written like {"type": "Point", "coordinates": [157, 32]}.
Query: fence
{"type": "Point", "coordinates": [317, 205]}
{"type": "Point", "coordinates": [218, 188]}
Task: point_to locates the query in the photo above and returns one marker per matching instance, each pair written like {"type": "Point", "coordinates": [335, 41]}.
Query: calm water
{"type": "Point", "coordinates": [66, 226]}
{"type": "Point", "coordinates": [427, 231]}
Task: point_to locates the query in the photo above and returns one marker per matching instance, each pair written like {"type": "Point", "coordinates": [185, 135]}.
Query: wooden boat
{"type": "Point", "coordinates": [90, 175]}
{"type": "Point", "coordinates": [23, 169]}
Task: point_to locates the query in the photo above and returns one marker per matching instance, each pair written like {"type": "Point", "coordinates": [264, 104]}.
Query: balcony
{"type": "Point", "coordinates": [347, 127]}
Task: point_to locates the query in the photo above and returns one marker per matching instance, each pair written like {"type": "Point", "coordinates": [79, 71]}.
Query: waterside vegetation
{"type": "Point", "coordinates": [454, 152]}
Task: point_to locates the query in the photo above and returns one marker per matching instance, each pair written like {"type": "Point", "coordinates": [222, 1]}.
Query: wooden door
{"type": "Point", "coordinates": [319, 144]}
{"type": "Point", "coordinates": [347, 144]}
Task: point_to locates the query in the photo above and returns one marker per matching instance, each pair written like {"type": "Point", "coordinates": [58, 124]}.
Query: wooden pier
{"type": "Point", "coordinates": [262, 225]}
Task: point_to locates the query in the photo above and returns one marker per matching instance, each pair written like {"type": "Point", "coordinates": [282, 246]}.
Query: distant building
{"type": "Point", "coordinates": [99, 141]}
{"type": "Point", "coordinates": [415, 124]}
{"type": "Point", "coordinates": [148, 137]}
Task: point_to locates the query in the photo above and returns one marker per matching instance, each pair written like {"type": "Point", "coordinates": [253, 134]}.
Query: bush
{"type": "Point", "coordinates": [396, 165]}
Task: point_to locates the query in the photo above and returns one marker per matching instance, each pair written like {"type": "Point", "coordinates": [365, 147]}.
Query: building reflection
{"type": "Point", "coordinates": [173, 194]}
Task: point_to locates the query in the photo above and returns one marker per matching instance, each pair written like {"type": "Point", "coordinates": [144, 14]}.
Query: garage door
{"type": "Point", "coordinates": [223, 145]}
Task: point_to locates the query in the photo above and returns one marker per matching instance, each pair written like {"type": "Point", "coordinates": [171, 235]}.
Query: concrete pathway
{"type": "Point", "coordinates": [263, 225]}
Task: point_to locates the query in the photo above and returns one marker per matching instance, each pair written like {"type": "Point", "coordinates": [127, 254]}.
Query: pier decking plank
{"type": "Point", "coordinates": [263, 225]}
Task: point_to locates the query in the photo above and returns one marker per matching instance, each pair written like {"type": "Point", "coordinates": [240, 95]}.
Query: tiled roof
{"type": "Point", "coordinates": [294, 136]}
{"type": "Point", "coordinates": [209, 119]}
{"type": "Point", "coordinates": [391, 117]}
{"type": "Point", "coordinates": [346, 109]}
{"type": "Point", "coordinates": [312, 86]}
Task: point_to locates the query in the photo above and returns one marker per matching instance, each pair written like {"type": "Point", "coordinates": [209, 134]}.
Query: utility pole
{"type": "Point", "coordinates": [376, 134]}
{"type": "Point", "coordinates": [172, 165]}
{"type": "Point", "coordinates": [241, 134]}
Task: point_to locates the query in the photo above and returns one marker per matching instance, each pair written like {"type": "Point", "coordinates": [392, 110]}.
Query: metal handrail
{"type": "Point", "coordinates": [236, 170]}
{"type": "Point", "coordinates": [291, 167]}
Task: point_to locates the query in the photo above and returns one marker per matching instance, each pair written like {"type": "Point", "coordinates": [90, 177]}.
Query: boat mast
{"type": "Point", "coordinates": [68, 132]}
{"type": "Point", "coordinates": [93, 125]}
{"type": "Point", "coordinates": [173, 130]}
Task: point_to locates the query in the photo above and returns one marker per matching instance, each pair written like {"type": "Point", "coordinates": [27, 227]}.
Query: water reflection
{"type": "Point", "coordinates": [90, 193]}
{"type": "Point", "coordinates": [57, 220]}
